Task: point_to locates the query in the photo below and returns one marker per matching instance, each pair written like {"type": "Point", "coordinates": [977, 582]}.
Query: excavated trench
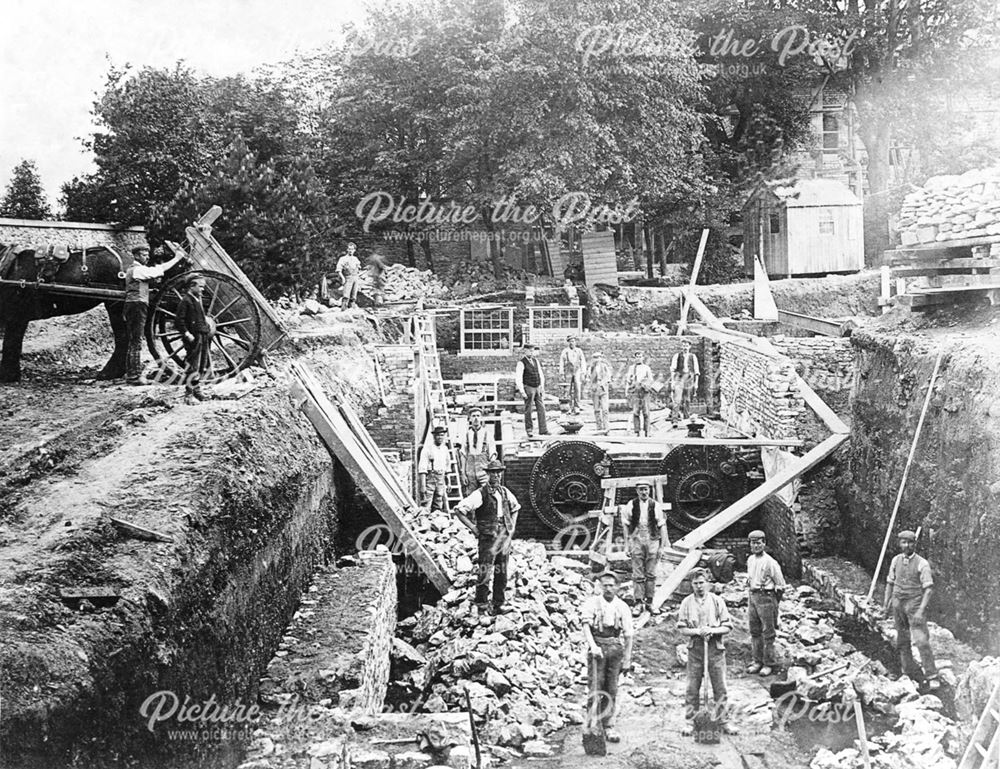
{"type": "Point", "coordinates": [254, 506]}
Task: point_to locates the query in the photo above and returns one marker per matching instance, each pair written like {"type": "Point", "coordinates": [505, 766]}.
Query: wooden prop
{"type": "Point", "coordinates": [906, 473]}
{"type": "Point", "coordinates": [594, 743]}
{"type": "Point", "coordinates": [688, 295]}
{"type": "Point", "coordinates": [859, 717]}
{"type": "Point", "coordinates": [707, 725]}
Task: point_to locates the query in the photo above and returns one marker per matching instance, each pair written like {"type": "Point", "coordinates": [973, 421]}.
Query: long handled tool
{"type": "Point", "coordinates": [475, 734]}
{"type": "Point", "coordinates": [707, 725]}
{"type": "Point", "coordinates": [594, 743]}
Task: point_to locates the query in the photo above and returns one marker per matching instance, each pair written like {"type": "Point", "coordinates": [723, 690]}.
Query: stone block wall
{"type": "Point", "coordinates": [827, 364]}
{"type": "Point", "coordinates": [391, 424]}
{"type": "Point", "coordinates": [778, 522]}
{"type": "Point", "coordinates": [75, 235]}
{"type": "Point", "coordinates": [758, 393]}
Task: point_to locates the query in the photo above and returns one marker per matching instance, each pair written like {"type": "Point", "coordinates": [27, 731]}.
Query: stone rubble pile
{"type": "Point", "coordinates": [402, 283]}
{"type": "Point", "coordinates": [451, 544]}
{"type": "Point", "coordinates": [809, 642]}
{"type": "Point", "coordinates": [522, 668]}
{"type": "Point", "coordinates": [952, 208]}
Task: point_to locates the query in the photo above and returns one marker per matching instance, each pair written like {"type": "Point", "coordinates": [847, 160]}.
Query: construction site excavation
{"type": "Point", "coordinates": [295, 572]}
{"type": "Point", "coordinates": [500, 384]}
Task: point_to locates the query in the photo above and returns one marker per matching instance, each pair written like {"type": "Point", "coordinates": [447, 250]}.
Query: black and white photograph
{"type": "Point", "coordinates": [500, 384]}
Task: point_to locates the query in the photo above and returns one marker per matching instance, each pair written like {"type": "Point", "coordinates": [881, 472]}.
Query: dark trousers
{"type": "Point", "coordinates": [436, 490]}
{"type": "Point", "coordinates": [494, 553]}
{"type": "Point", "coordinates": [135, 325]}
{"type": "Point", "coordinates": [763, 613]}
{"type": "Point", "coordinates": [640, 412]}
{"type": "Point", "coordinates": [533, 398]}
{"type": "Point", "coordinates": [911, 630]}
{"type": "Point", "coordinates": [644, 553]}
{"type": "Point", "coordinates": [198, 361]}
{"type": "Point", "coordinates": [696, 675]}
{"type": "Point", "coordinates": [602, 683]}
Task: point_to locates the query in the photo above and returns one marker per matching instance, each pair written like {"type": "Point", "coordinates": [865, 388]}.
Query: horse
{"type": "Point", "coordinates": [98, 267]}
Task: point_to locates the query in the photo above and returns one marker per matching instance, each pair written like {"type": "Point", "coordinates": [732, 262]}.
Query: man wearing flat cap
{"type": "Point", "coordinates": [645, 526]}
{"type": "Point", "coordinates": [530, 382]}
{"type": "Point", "coordinates": [908, 590]}
{"type": "Point", "coordinates": [138, 276]}
{"type": "Point", "coordinates": [494, 508]}
{"type": "Point", "coordinates": [432, 470]}
{"type": "Point", "coordinates": [573, 366]}
{"type": "Point", "coordinates": [767, 584]}
{"type": "Point", "coordinates": [479, 448]}
{"type": "Point", "coordinates": [608, 633]}
{"type": "Point", "coordinates": [639, 387]}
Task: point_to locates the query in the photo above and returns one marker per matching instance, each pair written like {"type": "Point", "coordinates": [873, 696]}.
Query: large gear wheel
{"type": "Point", "coordinates": [704, 481]}
{"type": "Point", "coordinates": [564, 485]}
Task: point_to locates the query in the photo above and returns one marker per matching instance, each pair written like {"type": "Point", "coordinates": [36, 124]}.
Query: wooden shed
{"type": "Point", "coordinates": [803, 227]}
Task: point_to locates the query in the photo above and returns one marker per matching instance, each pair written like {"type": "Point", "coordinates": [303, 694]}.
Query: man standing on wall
{"type": "Point", "coordinates": [530, 382]}
{"type": "Point", "coordinates": [197, 330]}
{"type": "Point", "coordinates": [479, 449]}
{"type": "Point", "coordinates": [432, 471]}
{"type": "Point", "coordinates": [495, 509]}
{"type": "Point", "coordinates": [767, 584]}
{"type": "Point", "coordinates": [349, 270]}
{"type": "Point", "coordinates": [704, 618]}
{"type": "Point", "coordinates": [684, 375]}
{"type": "Point", "coordinates": [908, 590]}
{"type": "Point", "coordinates": [638, 388]}
{"type": "Point", "coordinates": [137, 280]}
{"type": "Point", "coordinates": [572, 365]}
{"type": "Point", "coordinates": [608, 632]}
{"type": "Point", "coordinates": [645, 525]}
{"type": "Point", "coordinates": [600, 387]}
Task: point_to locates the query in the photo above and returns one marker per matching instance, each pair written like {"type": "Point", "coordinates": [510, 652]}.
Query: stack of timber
{"type": "Point", "coordinates": [599, 262]}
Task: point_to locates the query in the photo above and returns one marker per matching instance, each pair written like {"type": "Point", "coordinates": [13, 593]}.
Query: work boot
{"type": "Point", "coordinates": [754, 667]}
{"type": "Point", "coordinates": [611, 735]}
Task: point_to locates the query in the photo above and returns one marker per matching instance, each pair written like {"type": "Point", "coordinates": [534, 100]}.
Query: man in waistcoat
{"type": "Point", "coordinates": [530, 382]}
{"type": "Point", "coordinates": [600, 388]}
{"type": "Point", "coordinates": [137, 280]}
{"type": "Point", "coordinates": [494, 508]}
{"type": "Point", "coordinates": [684, 375]}
{"type": "Point", "coordinates": [767, 585]}
{"type": "Point", "coordinates": [645, 527]}
{"type": "Point", "coordinates": [908, 590]}
{"type": "Point", "coordinates": [638, 390]}
{"type": "Point", "coordinates": [479, 448]}
{"type": "Point", "coordinates": [573, 365]}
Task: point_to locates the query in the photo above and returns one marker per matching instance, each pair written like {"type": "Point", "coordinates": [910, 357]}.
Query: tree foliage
{"type": "Point", "coordinates": [24, 197]}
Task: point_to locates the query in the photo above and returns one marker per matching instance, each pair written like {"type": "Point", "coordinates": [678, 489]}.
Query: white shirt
{"type": "Point", "coordinates": [600, 374]}
{"type": "Point", "coordinates": [348, 265]}
{"type": "Point", "coordinates": [519, 375]}
{"type": "Point", "coordinates": [475, 500]}
{"type": "Point", "coordinates": [434, 459]}
{"type": "Point", "coordinates": [144, 272]}
{"type": "Point", "coordinates": [638, 373]}
{"type": "Point", "coordinates": [642, 528]}
{"type": "Point", "coordinates": [764, 572]}
{"type": "Point", "coordinates": [480, 442]}
{"type": "Point", "coordinates": [600, 614]}
{"type": "Point", "coordinates": [572, 358]}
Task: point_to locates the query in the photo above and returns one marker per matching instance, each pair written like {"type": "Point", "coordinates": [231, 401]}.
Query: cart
{"type": "Point", "coordinates": [246, 326]}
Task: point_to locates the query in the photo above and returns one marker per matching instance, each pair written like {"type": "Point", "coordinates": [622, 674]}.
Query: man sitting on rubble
{"type": "Point", "coordinates": [908, 590]}
{"type": "Point", "coordinates": [432, 470]}
{"type": "Point", "coordinates": [767, 584]}
{"type": "Point", "coordinates": [645, 524]}
{"type": "Point", "coordinates": [704, 618]}
{"type": "Point", "coordinates": [495, 508]}
{"type": "Point", "coordinates": [609, 633]}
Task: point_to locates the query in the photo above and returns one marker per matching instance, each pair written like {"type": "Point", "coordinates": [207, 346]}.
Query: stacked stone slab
{"type": "Point", "coordinates": [403, 283]}
{"type": "Point", "coordinates": [949, 208]}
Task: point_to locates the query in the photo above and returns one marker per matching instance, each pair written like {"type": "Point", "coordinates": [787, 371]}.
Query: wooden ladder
{"type": "Point", "coordinates": [983, 751]}
{"type": "Point", "coordinates": [430, 362]}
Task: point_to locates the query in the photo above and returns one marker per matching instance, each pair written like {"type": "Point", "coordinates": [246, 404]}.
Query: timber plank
{"type": "Point", "coordinates": [758, 496]}
{"type": "Point", "coordinates": [674, 579]}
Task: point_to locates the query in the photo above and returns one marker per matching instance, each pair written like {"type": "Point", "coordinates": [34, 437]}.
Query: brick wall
{"type": "Point", "coordinates": [758, 393]}
{"type": "Point", "coordinates": [75, 235]}
{"type": "Point", "coordinates": [827, 364]}
{"type": "Point", "coordinates": [617, 349]}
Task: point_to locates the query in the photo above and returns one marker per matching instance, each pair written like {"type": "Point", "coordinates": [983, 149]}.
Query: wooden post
{"type": "Point", "coordinates": [682, 323]}
{"type": "Point", "coordinates": [859, 717]}
{"type": "Point", "coordinates": [906, 473]}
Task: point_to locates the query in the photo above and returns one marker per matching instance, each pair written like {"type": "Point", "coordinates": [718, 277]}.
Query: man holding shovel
{"type": "Point", "coordinates": [608, 632]}
{"type": "Point", "coordinates": [908, 590]}
{"type": "Point", "coordinates": [704, 618]}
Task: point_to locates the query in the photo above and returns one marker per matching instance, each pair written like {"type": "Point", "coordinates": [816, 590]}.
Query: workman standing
{"type": "Point", "coordinates": [645, 525]}
{"type": "Point", "coordinates": [196, 330]}
{"type": "Point", "coordinates": [767, 584]}
{"type": "Point", "coordinates": [908, 590]}
{"type": "Point", "coordinates": [600, 389]}
{"type": "Point", "coordinates": [684, 374]}
{"type": "Point", "coordinates": [349, 271]}
{"type": "Point", "coordinates": [479, 448]}
{"type": "Point", "coordinates": [572, 367]}
{"type": "Point", "coordinates": [495, 508]}
{"type": "Point", "coordinates": [376, 269]}
{"type": "Point", "coordinates": [530, 382]}
{"type": "Point", "coordinates": [704, 618]}
{"type": "Point", "coordinates": [137, 279]}
{"type": "Point", "coordinates": [609, 633]}
{"type": "Point", "coordinates": [638, 389]}
{"type": "Point", "coordinates": [432, 471]}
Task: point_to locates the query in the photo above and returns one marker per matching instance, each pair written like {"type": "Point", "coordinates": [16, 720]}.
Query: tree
{"type": "Point", "coordinates": [24, 197]}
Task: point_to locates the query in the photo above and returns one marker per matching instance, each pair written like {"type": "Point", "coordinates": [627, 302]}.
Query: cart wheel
{"type": "Point", "coordinates": [236, 343]}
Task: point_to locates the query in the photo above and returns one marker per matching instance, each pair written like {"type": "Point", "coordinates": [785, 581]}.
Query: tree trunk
{"type": "Point", "coordinates": [492, 244]}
